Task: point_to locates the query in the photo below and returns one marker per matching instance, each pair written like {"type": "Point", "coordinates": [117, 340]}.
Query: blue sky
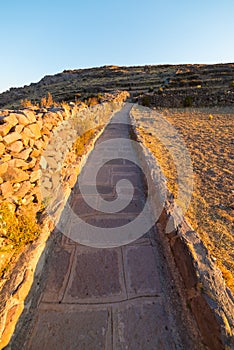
{"type": "Point", "coordinates": [45, 37]}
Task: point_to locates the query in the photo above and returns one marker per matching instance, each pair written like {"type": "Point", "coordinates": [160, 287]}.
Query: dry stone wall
{"type": "Point", "coordinates": [25, 149]}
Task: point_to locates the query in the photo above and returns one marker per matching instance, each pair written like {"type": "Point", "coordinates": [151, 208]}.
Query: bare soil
{"type": "Point", "coordinates": [208, 135]}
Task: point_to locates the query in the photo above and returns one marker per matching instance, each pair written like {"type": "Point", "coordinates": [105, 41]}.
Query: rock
{"type": "Point", "coordinates": [24, 154]}
{"type": "Point", "coordinates": [30, 115]}
{"type": "Point", "coordinates": [3, 168]}
{"type": "Point", "coordinates": [35, 129]}
{"type": "Point", "coordinates": [6, 189]}
{"type": "Point", "coordinates": [51, 163]}
{"type": "Point", "coordinates": [23, 190]}
{"type": "Point", "coordinates": [31, 164]}
{"type": "Point", "coordinates": [31, 143]}
{"type": "Point", "coordinates": [40, 123]}
{"type": "Point", "coordinates": [36, 153]}
{"type": "Point", "coordinates": [12, 137]}
{"type": "Point", "coordinates": [49, 126]}
{"type": "Point", "coordinates": [39, 144]}
{"type": "Point", "coordinates": [20, 163]}
{"type": "Point", "coordinates": [15, 147]}
{"type": "Point", "coordinates": [35, 175]}
{"type": "Point", "coordinates": [47, 184]}
{"type": "Point", "coordinates": [19, 128]}
{"type": "Point", "coordinates": [11, 119]}
{"type": "Point", "coordinates": [56, 179]}
{"type": "Point", "coordinates": [72, 180]}
{"type": "Point", "coordinates": [45, 131]}
{"type": "Point", "coordinates": [2, 149]}
{"type": "Point", "coordinates": [43, 163]}
{"type": "Point", "coordinates": [22, 119]}
{"type": "Point", "coordinates": [5, 158]}
{"type": "Point", "coordinates": [27, 133]}
{"type": "Point", "coordinates": [15, 175]}
{"type": "Point", "coordinates": [4, 129]}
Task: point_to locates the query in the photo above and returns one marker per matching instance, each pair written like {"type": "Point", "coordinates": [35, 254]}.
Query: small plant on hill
{"type": "Point", "coordinates": [145, 101]}
{"type": "Point", "coordinates": [26, 103]}
{"type": "Point", "coordinates": [188, 101]}
{"type": "Point", "coordinates": [47, 101]}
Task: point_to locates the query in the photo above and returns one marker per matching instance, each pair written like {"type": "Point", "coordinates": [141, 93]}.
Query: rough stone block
{"type": "Point", "coordinates": [16, 147]}
{"type": "Point", "coordinates": [12, 137]}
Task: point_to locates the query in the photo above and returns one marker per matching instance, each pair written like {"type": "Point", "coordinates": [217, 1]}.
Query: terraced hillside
{"type": "Point", "coordinates": [158, 85]}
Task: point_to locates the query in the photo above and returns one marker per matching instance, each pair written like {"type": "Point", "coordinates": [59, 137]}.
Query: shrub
{"type": "Point", "coordinates": [18, 229]}
{"type": "Point", "coordinates": [25, 103]}
{"type": "Point", "coordinates": [188, 101]}
{"type": "Point", "coordinates": [47, 101]}
{"type": "Point", "coordinates": [145, 101]}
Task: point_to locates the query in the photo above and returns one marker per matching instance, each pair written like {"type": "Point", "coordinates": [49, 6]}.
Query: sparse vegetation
{"type": "Point", "coordinates": [188, 101]}
{"type": "Point", "coordinates": [47, 101]}
{"type": "Point", "coordinates": [18, 229]}
{"type": "Point", "coordinates": [145, 101]}
{"type": "Point", "coordinates": [83, 140]}
{"type": "Point", "coordinates": [26, 103]}
{"type": "Point", "coordinates": [211, 208]}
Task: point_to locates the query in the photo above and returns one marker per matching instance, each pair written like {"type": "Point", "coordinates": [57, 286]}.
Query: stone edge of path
{"type": "Point", "coordinates": [30, 263]}
{"type": "Point", "coordinates": [207, 296]}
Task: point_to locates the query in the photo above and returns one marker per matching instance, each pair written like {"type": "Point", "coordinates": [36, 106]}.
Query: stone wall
{"type": "Point", "coordinates": [25, 136]}
{"type": "Point", "coordinates": [41, 165]}
{"type": "Point", "coordinates": [189, 97]}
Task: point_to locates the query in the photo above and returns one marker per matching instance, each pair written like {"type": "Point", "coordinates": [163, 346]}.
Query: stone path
{"type": "Point", "coordinates": [114, 298]}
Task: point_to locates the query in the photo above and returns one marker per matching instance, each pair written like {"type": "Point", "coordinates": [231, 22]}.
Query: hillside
{"type": "Point", "coordinates": [157, 85]}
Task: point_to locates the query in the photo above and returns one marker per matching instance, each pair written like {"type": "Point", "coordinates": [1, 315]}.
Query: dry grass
{"type": "Point", "coordinates": [17, 229]}
{"type": "Point", "coordinates": [209, 138]}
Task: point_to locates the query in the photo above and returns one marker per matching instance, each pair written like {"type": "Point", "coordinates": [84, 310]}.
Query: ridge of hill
{"type": "Point", "coordinates": [157, 85]}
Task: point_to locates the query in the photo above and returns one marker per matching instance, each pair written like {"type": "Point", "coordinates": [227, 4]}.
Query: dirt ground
{"type": "Point", "coordinates": [208, 135]}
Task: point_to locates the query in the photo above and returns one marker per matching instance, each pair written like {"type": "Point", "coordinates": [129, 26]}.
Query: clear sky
{"type": "Point", "coordinates": [47, 36]}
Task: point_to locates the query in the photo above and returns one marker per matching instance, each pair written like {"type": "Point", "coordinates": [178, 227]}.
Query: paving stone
{"type": "Point", "coordinates": [59, 269]}
{"type": "Point", "coordinates": [141, 271]}
{"type": "Point", "coordinates": [141, 325]}
{"type": "Point", "coordinates": [81, 208]}
{"type": "Point", "coordinates": [71, 330]}
{"type": "Point", "coordinates": [96, 276]}
{"type": "Point", "coordinates": [109, 220]}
